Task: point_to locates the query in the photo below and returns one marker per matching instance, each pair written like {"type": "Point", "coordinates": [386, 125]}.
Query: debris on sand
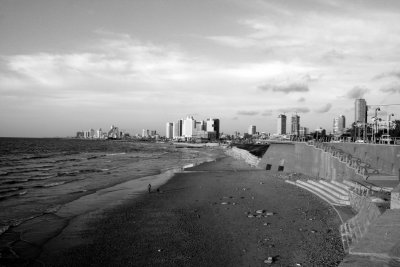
{"type": "Point", "coordinates": [269, 260]}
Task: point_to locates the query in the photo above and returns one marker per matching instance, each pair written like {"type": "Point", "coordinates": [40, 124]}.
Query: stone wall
{"type": "Point", "coordinates": [244, 155]}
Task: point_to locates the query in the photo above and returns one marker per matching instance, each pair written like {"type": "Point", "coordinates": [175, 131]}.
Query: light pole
{"type": "Point", "coordinates": [376, 122]}
{"type": "Point", "coordinates": [388, 123]}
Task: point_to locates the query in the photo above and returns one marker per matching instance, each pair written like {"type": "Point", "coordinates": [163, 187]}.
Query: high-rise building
{"type": "Point", "coordinates": [212, 125]}
{"type": "Point", "coordinates": [145, 133]}
{"type": "Point", "coordinates": [339, 124]}
{"type": "Point", "coordinates": [188, 128]}
{"type": "Point", "coordinates": [169, 130]}
{"type": "Point", "coordinates": [360, 111]}
{"type": "Point", "coordinates": [99, 133]}
{"type": "Point", "coordinates": [295, 124]}
{"type": "Point", "coordinates": [304, 131]}
{"type": "Point", "coordinates": [281, 124]}
{"type": "Point", "coordinates": [252, 130]}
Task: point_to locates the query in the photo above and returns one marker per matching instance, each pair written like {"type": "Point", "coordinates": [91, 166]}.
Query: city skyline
{"type": "Point", "coordinates": [65, 65]}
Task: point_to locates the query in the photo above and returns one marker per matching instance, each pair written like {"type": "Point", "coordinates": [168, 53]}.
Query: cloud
{"type": "Point", "coordinates": [392, 88]}
{"type": "Point", "coordinates": [324, 109]}
{"type": "Point", "coordinates": [267, 113]}
{"type": "Point", "coordinates": [357, 92]}
{"type": "Point", "coordinates": [285, 88]}
{"type": "Point", "coordinates": [301, 99]}
{"type": "Point", "coordinates": [232, 41]}
{"type": "Point", "coordinates": [247, 112]}
{"type": "Point", "coordinates": [390, 74]}
{"type": "Point", "coordinates": [115, 58]}
{"type": "Point", "coordinates": [294, 110]}
{"type": "Point", "coordinates": [333, 55]}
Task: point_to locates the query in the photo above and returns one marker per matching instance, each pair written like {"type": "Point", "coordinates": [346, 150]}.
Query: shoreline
{"type": "Point", "coordinates": [23, 242]}
{"type": "Point", "coordinates": [207, 216]}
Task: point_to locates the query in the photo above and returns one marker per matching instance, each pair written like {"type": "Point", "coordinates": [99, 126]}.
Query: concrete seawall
{"type": "Point", "coordinates": [303, 158]}
{"type": "Point", "coordinates": [367, 232]}
{"type": "Point", "coordinates": [382, 157]}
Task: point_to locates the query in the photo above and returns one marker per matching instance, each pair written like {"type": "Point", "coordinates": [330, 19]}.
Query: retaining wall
{"type": "Point", "coordinates": [385, 158]}
{"type": "Point", "coordinates": [244, 155]}
{"type": "Point", "coordinates": [300, 157]}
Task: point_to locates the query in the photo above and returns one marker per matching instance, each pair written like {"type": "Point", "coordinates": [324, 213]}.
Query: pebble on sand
{"type": "Point", "coordinates": [269, 260]}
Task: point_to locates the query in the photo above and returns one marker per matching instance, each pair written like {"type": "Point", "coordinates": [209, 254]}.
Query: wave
{"type": "Point", "coordinates": [8, 190]}
{"type": "Point", "coordinates": [16, 181]}
{"type": "Point", "coordinates": [40, 177]}
{"type": "Point", "coordinates": [53, 209]}
{"type": "Point", "coordinates": [13, 194]}
{"type": "Point", "coordinates": [66, 160]}
{"type": "Point", "coordinates": [54, 184]}
{"type": "Point", "coordinates": [115, 154]}
{"type": "Point", "coordinates": [79, 191]}
{"type": "Point", "coordinates": [72, 173]}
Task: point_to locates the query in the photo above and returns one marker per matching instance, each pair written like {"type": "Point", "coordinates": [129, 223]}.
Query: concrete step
{"type": "Point", "coordinates": [308, 188]}
{"type": "Point", "coordinates": [336, 188]}
{"type": "Point", "coordinates": [323, 193]}
{"type": "Point", "coordinates": [341, 185]}
{"type": "Point", "coordinates": [339, 198]}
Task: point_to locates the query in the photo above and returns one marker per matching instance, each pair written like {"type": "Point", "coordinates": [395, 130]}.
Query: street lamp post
{"type": "Point", "coordinates": [388, 123]}
{"type": "Point", "coordinates": [376, 122]}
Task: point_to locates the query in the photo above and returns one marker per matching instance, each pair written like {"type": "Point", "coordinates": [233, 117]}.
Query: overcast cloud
{"type": "Point", "coordinates": [155, 63]}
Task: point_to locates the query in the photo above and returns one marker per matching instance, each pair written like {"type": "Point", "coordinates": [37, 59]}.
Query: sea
{"type": "Point", "coordinates": [71, 177]}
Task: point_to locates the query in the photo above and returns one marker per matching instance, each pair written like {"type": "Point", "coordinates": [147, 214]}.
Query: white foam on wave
{"type": "Point", "coordinates": [54, 184]}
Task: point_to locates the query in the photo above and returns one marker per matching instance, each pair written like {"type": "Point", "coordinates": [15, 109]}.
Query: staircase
{"type": "Point", "coordinates": [336, 194]}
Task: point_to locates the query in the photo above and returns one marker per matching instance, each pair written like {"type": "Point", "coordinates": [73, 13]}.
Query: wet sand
{"type": "Point", "coordinates": [207, 216]}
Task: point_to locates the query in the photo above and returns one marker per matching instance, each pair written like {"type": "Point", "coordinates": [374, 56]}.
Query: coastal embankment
{"type": "Point", "coordinates": [361, 176]}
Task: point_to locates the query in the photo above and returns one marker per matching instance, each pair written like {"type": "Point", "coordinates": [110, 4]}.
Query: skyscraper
{"type": "Point", "coordinates": [339, 124]}
{"type": "Point", "coordinates": [188, 127]}
{"type": "Point", "coordinates": [169, 131]}
{"type": "Point", "coordinates": [295, 124]}
{"type": "Point", "coordinates": [252, 130]}
{"type": "Point", "coordinates": [360, 110]}
{"type": "Point", "coordinates": [212, 125]}
{"type": "Point", "coordinates": [281, 124]}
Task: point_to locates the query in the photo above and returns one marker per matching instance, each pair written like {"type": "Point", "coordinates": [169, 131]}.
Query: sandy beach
{"type": "Point", "coordinates": [222, 213]}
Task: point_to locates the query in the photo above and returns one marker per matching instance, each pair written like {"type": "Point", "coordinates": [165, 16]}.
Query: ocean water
{"type": "Point", "coordinates": [71, 176]}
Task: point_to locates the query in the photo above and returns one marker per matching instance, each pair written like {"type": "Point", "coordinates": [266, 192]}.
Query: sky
{"type": "Point", "coordinates": [72, 65]}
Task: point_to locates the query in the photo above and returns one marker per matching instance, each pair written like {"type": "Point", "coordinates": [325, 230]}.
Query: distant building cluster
{"type": "Point", "coordinates": [189, 128]}
{"type": "Point", "coordinates": [113, 133]}
{"type": "Point", "coordinates": [149, 134]}
{"type": "Point", "coordinates": [296, 131]}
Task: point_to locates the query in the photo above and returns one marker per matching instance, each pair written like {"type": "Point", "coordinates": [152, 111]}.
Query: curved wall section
{"type": "Point", "coordinates": [385, 158]}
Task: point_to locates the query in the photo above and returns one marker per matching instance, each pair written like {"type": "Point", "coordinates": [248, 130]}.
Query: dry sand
{"type": "Point", "coordinates": [203, 217]}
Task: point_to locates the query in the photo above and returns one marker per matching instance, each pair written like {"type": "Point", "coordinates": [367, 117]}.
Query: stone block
{"type": "Point", "coordinates": [395, 198]}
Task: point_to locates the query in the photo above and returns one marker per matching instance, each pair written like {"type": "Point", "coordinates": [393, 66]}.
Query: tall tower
{"type": "Point", "coordinates": [281, 124]}
{"type": "Point", "coordinates": [360, 110]}
{"type": "Point", "coordinates": [295, 124]}
{"type": "Point", "coordinates": [188, 127]}
{"type": "Point", "coordinates": [212, 125]}
{"type": "Point", "coordinates": [169, 131]}
{"type": "Point", "coordinates": [252, 130]}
